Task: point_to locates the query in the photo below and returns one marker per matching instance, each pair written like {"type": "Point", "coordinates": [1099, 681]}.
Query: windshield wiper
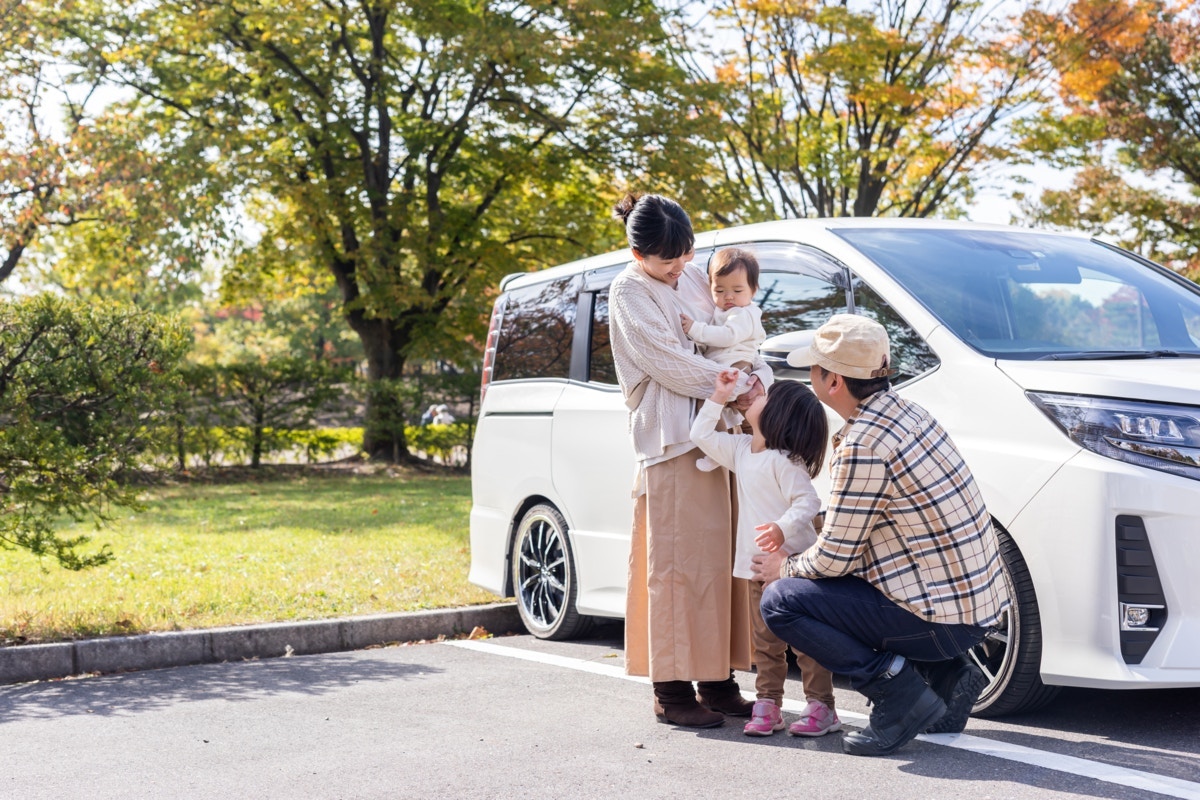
{"type": "Point", "coordinates": [1114, 355]}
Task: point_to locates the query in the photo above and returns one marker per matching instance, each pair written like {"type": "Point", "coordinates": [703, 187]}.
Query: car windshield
{"type": "Point", "coordinates": [1026, 295]}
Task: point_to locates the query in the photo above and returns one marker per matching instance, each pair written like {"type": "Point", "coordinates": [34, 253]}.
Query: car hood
{"type": "Point", "coordinates": [1166, 380]}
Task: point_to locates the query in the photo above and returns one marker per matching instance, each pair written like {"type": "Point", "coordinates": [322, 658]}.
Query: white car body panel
{"type": "Point", "coordinates": [1057, 500]}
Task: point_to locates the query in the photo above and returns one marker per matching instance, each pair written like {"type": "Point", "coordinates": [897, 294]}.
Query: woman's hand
{"type": "Point", "coordinates": [686, 322]}
{"type": "Point", "coordinates": [755, 391]}
{"type": "Point", "coordinates": [726, 384]}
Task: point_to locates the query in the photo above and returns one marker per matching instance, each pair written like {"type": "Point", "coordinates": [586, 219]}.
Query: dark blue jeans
{"type": "Point", "coordinates": [853, 629]}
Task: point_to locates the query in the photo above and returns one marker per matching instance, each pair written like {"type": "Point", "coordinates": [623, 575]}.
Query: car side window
{"type": "Point", "coordinates": [910, 355]}
{"type": "Point", "coordinates": [798, 287]}
{"type": "Point", "coordinates": [535, 333]}
{"type": "Point", "coordinates": [795, 302]}
{"type": "Point", "coordinates": [601, 367]}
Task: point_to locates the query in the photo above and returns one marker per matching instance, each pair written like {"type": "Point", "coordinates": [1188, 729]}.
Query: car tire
{"type": "Point", "coordinates": [543, 576]}
{"type": "Point", "coordinates": [1011, 658]}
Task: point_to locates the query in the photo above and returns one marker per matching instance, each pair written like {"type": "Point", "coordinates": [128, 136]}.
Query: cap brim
{"type": "Point", "coordinates": [802, 357]}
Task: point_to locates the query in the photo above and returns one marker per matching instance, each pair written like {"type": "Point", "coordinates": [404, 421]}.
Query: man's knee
{"type": "Point", "coordinates": [779, 601]}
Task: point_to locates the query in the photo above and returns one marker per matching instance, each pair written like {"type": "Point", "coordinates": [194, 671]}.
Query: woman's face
{"type": "Point", "coordinates": [662, 269]}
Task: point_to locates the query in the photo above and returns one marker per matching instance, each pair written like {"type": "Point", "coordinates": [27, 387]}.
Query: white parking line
{"type": "Point", "coordinates": [1135, 779]}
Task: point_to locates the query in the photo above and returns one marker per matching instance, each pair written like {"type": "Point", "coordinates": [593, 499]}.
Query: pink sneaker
{"type": "Point", "coordinates": [817, 719]}
{"type": "Point", "coordinates": [765, 719]}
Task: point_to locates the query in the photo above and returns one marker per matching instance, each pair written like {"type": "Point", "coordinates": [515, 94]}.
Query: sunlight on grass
{"type": "Point", "coordinates": [206, 556]}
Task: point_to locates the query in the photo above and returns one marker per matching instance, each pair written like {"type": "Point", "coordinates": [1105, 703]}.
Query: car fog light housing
{"type": "Point", "coordinates": [1137, 617]}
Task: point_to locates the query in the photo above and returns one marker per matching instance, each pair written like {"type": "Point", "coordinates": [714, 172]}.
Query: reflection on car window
{"type": "Point", "coordinates": [798, 287]}
{"type": "Point", "coordinates": [601, 368]}
{"type": "Point", "coordinates": [536, 330]}
{"type": "Point", "coordinates": [792, 302]}
{"type": "Point", "coordinates": [910, 355]}
{"type": "Point", "coordinates": [1022, 294]}
{"type": "Point", "coordinates": [1096, 311]}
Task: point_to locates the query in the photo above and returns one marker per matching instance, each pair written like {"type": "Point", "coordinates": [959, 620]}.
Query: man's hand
{"type": "Point", "coordinates": [744, 400]}
{"type": "Point", "coordinates": [765, 566]}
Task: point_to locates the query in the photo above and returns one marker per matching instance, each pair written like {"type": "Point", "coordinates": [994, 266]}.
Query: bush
{"type": "Point", "coordinates": [78, 383]}
{"type": "Point", "coordinates": [446, 443]}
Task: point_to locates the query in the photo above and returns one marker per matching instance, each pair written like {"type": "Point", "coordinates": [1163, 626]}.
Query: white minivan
{"type": "Point", "coordinates": [1066, 370]}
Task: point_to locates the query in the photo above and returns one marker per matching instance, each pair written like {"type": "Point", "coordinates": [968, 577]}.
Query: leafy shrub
{"type": "Point", "coordinates": [77, 383]}
{"type": "Point", "coordinates": [445, 443]}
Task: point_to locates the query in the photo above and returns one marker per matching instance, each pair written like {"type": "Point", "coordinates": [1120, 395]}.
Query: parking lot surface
{"type": "Point", "coordinates": [520, 717]}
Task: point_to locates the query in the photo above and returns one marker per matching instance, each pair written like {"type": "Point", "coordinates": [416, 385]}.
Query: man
{"type": "Point", "coordinates": [906, 567]}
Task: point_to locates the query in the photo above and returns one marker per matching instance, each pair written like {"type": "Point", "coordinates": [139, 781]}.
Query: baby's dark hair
{"type": "Point", "coordinates": [794, 422]}
{"type": "Point", "coordinates": [655, 226]}
{"type": "Point", "coordinates": [734, 258]}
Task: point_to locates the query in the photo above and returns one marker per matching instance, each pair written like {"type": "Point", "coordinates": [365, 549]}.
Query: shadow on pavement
{"type": "Point", "coordinates": [136, 692]}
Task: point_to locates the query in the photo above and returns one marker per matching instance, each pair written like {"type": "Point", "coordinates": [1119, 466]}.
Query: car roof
{"type": "Point", "coordinates": [815, 231]}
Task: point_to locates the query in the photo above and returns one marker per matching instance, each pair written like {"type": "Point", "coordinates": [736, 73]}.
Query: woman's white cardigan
{"type": "Point", "coordinates": [658, 367]}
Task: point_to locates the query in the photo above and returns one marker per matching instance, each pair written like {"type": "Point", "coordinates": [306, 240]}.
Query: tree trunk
{"type": "Point", "coordinates": [383, 431]}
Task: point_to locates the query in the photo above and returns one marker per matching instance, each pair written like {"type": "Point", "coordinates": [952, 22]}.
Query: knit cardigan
{"type": "Point", "coordinates": [660, 372]}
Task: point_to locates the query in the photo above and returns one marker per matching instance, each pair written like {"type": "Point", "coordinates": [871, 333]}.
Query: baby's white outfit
{"type": "Point", "coordinates": [733, 336]}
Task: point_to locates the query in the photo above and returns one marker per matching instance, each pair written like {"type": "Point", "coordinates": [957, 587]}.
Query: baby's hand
{"type": "Point", "coordinates": [770, 539]}
{"type": "Point", "coordinates": [686, 321]}
{"type": "Point", "coordinates": [726, 385]}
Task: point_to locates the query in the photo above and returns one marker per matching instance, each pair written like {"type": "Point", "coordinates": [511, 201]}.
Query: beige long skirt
{"type": "Point", "coordinates": [686, 618]}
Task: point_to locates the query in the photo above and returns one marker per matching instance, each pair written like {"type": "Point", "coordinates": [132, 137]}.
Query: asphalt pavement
{"type": "Point", "coordinates": [111, 654]}
{"type": "Point", "coordinates": [518, 717]}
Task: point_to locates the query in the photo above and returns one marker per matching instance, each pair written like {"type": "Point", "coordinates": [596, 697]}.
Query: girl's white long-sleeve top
{"type": "Point", "coordinates": [770, 488]}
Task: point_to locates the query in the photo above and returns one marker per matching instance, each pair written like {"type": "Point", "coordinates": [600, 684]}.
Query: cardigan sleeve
{"type": "Point", "coordinates": [643, 334]}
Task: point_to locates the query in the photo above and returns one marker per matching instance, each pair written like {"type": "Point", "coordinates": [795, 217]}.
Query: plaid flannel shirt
{"type": "Point", "coordinates": [906, 516]}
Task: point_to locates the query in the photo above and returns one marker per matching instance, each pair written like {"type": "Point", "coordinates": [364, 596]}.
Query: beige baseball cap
{"type": "Point", "coordinates": [849, 345]}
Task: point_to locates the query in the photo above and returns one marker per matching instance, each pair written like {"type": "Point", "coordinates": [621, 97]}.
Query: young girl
{"type": "Point", "coordinates": [776, 499]}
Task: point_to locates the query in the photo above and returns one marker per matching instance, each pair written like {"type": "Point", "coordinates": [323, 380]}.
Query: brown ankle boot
{"type": "Point", "coordinates": [724, 696]}
{"type": "Point", "coordinates": [675, 702]}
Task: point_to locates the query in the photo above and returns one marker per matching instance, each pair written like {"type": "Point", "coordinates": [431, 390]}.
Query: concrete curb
{"type": "Point", "coordinates": [38, 662]}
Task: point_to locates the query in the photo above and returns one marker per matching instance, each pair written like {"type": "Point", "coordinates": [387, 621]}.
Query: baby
{"type": "Point", "coordinates": [735, 333]}
{"type": "Point", "coordinates": [733, 337]}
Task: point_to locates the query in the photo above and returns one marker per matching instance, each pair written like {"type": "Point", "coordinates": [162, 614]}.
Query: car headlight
{"type": "Point", "coordinates": [1155, 435]}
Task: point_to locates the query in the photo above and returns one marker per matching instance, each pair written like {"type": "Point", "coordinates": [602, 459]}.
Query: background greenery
{"type": "Point", "coordinates": [326, 196]}
{"type": "Point", "coordinates": [310, 547]}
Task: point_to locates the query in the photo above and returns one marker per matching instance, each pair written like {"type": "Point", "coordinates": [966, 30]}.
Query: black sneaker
{"type": "Point", "coordinates": [959, 683]}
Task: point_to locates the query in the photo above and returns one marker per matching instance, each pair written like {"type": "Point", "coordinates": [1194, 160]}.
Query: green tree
{"type": "Point", "coordinates": [77, 383]}
{"type": "Point", "coordinates": [1129, 80]}
{"type": "Point", "coordinates": [884, 108]}
{"type": "Point", "coordinates": [418, 150]}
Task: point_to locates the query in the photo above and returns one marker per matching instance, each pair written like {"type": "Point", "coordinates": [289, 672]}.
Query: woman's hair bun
{"type": "Point", "coordinates": [624, 207]}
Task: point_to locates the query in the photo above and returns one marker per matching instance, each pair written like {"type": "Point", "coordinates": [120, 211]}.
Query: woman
{"type": "Point", "coordinates": [686, 618]}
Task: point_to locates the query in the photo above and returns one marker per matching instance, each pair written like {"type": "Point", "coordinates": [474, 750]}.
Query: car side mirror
{"type": "Point", "coordinates": [774, 351]}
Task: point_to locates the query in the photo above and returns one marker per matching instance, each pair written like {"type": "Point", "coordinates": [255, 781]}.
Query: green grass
{"type": "Point", "coordinates": [204, 556]}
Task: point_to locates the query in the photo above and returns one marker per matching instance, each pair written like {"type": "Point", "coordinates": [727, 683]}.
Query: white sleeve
{"type": "Point", "coordinates": [720, 446]}
{"type": "Point", "coordinates": [803, 502]}
{"type": "Point", "coordinates": [739, 326]}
